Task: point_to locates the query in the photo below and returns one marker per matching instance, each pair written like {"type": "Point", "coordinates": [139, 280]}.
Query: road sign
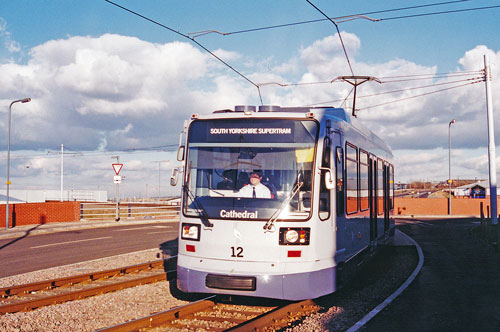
{"type": "Point", "coordinates": [117, 179]}
{"type": "Point", "coordinates": [117, 168]}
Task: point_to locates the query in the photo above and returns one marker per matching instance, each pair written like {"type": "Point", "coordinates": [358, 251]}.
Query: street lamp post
{"type": "Point", "coordinates": [24, 100]}
{"type": "Point", "coordinates": [159, 182]}
{"type": "Point", "coordinates": [449, 165]}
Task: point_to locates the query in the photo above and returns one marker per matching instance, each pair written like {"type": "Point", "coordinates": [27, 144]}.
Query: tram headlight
{"type": "Point", "coordinates": [190, 232]}
{"type": "Point", "coordinates": [291, 236]}
{"type": "Point", "coordinates": [294, 235]}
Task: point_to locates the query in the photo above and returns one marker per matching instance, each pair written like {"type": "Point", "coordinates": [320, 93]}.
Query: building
{"type": "Point", "coordinates": [39, 196]}
{"type": "Point", "coordinates": [480, 189]}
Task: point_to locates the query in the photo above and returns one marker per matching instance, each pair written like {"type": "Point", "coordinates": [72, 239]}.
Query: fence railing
{"type": "Point", "coordinates": [135, 210]}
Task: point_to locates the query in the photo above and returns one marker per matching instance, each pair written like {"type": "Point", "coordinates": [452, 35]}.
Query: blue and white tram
{"type": "Point", "coordinates": [330, 184]}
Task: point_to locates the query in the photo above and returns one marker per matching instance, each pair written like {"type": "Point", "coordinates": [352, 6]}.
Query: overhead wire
{"type": "Point", "coordinates": [400, 78]}
{"type": "Point", "coordinates": [338, 32]}
{"type": "Point", "coordinates": [383, 79]}
{"type": "Point", "coordinates": [473, 80]}
{"type": "Point", "coordinates": [81, 154]}
{"type": "Point", "coordinates": [191, 39]}
{"type": "Point", "coordinates": [343, 19]}
{"type": "Point", "coordinates": [335, 22]}
{"type": "Point", "coordinates": [429, 76]}
{"type": "Point", "coordinates": [344, 102]}
{"type": "Point", "coordinates": [439, 13]}
{"type": "Point", "coordinates": [332, 20]}
{"type": "Point", "coordinates": [420, 95]}
{"type": "Point", "coordinates": [340, 19]}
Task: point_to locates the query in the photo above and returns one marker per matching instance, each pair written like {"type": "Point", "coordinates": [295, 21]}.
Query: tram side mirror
{"type": "Point", "coordinates": [175, 177]}
{"type": "Point", "coordinates": [180, 153]}
{"type": "Point", "coordinates": [329, 182]}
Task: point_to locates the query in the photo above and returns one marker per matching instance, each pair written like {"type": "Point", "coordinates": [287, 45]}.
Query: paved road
{"type": "Point", "coordinates": [31, 252]}
{"type": "Point", "coordinates": [458, 288]}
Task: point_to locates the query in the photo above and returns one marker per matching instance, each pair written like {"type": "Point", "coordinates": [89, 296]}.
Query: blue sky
{"type": "Point", "coordinates": [34, 22]}
{"type": "Point", "coordinates": [103, 79]}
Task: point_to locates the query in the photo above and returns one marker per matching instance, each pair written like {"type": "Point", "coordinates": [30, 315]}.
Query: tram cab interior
{"type": "Point", "coordinates": [219, 173]}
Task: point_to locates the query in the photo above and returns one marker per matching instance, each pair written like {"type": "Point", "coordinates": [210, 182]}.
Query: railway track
{"type": "Point", "coordinates": [34, 295]}
{"type": "Point", "coordinates": [211, 314]}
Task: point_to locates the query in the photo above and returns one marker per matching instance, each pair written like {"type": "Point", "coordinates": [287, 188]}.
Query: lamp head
{"type": "Point", "coordinates": [25, 100]}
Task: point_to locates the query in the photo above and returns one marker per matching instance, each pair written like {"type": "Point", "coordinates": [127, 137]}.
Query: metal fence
{"type": "Point", "coordinates": [129, 210]}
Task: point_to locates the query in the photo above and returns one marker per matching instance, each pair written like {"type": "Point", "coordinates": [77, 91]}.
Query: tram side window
{"type": "Point", "coordinates": [339, 157]}
{"type": "Point", "coordinates": [351, 178]}
{"type": "Point", "coordinates": [324, 195]}
{"type": "Point", "coordinates": [363, 180]}
{"type": "Point", "coordinates": [380, 186]}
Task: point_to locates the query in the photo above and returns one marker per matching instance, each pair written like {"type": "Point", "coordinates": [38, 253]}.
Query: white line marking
{"type": "Point", "coordinates": [132, 229]}
{"type": "Point", "coordinates": [424, 223]}
{"type": "Point", "coordinates": [128, 229]}
{"type": "Point", "coordinates": [56, 244]}
{"type": "Point", "coordinates": [413, 222]}
{"type": "Point", "coordinates": [162, 232]}
{"type": "Point", "coordinates": [393, 296]}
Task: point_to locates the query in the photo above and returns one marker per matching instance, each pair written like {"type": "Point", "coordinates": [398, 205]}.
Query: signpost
{"type": "Point", "coordinates": [117, 179]}
{"type": "Point", "coordinates": [117, 168]}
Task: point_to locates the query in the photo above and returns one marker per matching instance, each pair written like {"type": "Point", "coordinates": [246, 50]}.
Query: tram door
{"type": "Point", "coordinates": [372, 196]}
{"type": "Point", "coordinates": [387, 201]}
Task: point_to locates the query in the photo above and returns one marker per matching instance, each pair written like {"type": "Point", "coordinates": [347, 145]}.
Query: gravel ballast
{"type": "Point", "coordinates": [95, 312]}
{"type": "Point", "coordinates": [340, 310]}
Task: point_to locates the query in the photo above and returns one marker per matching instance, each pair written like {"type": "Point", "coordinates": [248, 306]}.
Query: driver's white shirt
{"type": "Point", "coordinates": [261, 191]}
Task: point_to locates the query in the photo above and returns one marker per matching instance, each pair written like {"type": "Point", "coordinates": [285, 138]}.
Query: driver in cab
{"type": "Point", "coordinates": [255, 189]}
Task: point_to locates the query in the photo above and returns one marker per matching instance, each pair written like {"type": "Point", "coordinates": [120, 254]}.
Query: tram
{"type": "Point", "coordinates": [324, 199]}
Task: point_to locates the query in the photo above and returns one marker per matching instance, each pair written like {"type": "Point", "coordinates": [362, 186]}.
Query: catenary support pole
{"type": "Point", "coordinates": [491, 144]}
{"type": "Point", "coordinates": [117, 208]}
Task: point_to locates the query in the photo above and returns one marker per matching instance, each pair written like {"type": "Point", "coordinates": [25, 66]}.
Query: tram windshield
{"type": "Point", "coordinates": [247, 169]}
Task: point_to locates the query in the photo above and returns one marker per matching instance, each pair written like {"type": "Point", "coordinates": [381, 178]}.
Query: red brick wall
{"type": "Point", "coordinates": [41, 213]}
{"type": "Point", "coordinates": [439, 206]}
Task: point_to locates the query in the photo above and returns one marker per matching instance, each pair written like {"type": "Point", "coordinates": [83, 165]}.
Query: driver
{"type": "Point", "coordinates": [255, 189]}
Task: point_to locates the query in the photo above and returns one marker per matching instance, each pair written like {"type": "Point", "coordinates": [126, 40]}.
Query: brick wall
{"type": "Point", "coordinates": [40, 213]}
{"type": "Point", "coordinates": [439, 206]}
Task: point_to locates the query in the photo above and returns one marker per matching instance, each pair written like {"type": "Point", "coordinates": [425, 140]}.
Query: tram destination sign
{"type": "Point", "coordinates": [252, 131]}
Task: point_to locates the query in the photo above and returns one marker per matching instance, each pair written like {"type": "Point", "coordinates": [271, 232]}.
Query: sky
{"type": "Point", "coordinates": [105, 82]}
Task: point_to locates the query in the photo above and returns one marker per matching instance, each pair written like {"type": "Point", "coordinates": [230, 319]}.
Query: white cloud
{"type": "Point", "coordinates": [325, 58]}
{"type": "Point", "coordinates": [118, 92]}
{"type": "Point", "coordinates": [98, 85]}
{"type": "Point", "coordinates": [11, 45]}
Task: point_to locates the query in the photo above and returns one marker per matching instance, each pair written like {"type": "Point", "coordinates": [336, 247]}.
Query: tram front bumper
{"type": "Point", "coordinates": [293, 286]}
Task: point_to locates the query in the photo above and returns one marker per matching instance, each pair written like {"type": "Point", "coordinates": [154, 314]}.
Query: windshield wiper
{"type": "Point", "coordinates": [202, 213]}
{"type": "Point", "coordinates": [269, 224]}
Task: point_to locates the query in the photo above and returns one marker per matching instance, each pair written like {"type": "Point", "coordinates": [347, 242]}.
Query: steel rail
{"type": "Point", "coordinates": [279, 317]}
{"type": "Point", "coordinates": [275, 317]}
{"type": "Point", "coordinates": [51, 284]}
{"type": "Point", "coordinates": [113, 284]}
{"type": "Point", "coordinates": [163, 317]}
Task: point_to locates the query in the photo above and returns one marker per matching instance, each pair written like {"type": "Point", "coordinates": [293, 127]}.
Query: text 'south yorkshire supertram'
{"type": "Point", "coordinates": [280, 202]}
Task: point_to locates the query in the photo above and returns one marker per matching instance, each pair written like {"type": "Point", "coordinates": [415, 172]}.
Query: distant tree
{"type": "Point", "coordinates": [420, 185]}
